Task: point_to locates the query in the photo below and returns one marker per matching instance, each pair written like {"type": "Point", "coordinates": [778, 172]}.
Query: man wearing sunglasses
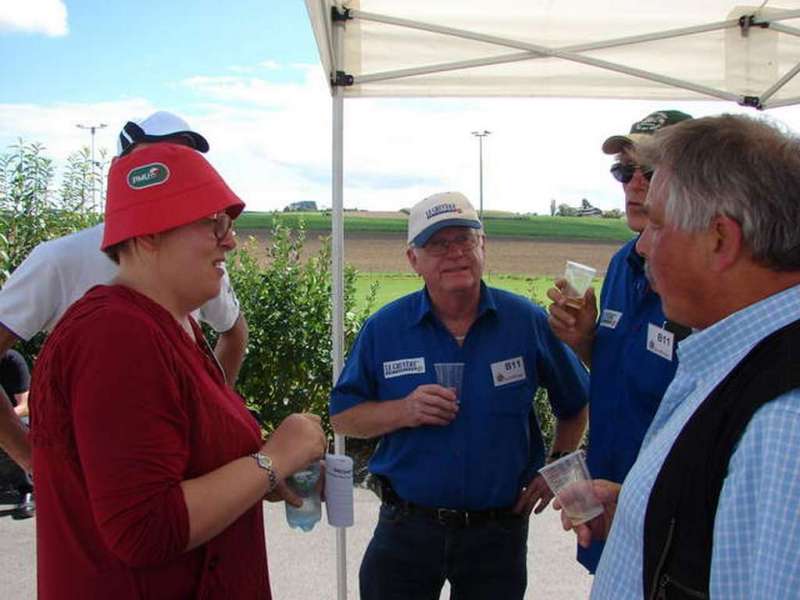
{"type": "Point", "coordinates": [457, 460]}
{"type": "Point", "coordinates": [631, 348]}
{"type": "Point", "coordinates": [60, 271]}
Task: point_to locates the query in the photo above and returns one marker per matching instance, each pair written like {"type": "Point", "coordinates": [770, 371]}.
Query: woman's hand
{"type": "Point", "coordinates": [297, 442]}
{"type": "Point", "coordinates": [607, 493]}
{"type": "Point", "coordinates": [283, 493]}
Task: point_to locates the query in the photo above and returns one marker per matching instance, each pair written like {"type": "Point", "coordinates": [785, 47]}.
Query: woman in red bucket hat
{"type": "Point", "coordinates": [149, 470]}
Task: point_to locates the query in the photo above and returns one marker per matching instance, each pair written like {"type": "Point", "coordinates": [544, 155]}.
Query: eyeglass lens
{"type": "Point", "coordinates": [625, 172]}
{"type": "Point", "coordinates": [440, 247]}
{"type": "Point", "coordinates": [222, 225]}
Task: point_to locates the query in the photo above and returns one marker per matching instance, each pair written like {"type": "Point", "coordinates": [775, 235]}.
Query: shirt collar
{"type": "Point", "coordinates": [728, 341]}
{"type": "Point", "coordinates": [424, 308]}
{"type": "Point", "coordinates": [635, 260]}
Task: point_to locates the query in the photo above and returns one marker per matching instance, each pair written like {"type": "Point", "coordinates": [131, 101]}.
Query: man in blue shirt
{"type": "Point", "coordinates": [723, 251]}
{"type": "Point", "coordinates": [457, 464]}
{"type": "Point", "coordinates": [628, 374]}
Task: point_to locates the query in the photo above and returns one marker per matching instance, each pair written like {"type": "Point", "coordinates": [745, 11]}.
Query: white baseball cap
{"type": "Point", "coordinates": [159, 126]}
{"type": "Point", "coordinates": [448, 209]}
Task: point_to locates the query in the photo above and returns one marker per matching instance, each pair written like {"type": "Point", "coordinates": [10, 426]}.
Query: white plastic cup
{"type": "Point", "coordinates": [579, 277]}
{"type": "Point", "coordinates": [450, 375]}
{"type": "Point", "coordinates": [339, 490]}
{"type": "Point", "coordinates": [569, 479]}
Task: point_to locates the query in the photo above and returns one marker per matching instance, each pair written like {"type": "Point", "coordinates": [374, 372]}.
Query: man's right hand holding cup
{"type": "Point", "coordinates": [573, 326]}
{"type": "Point", "coordinates": [430, 404]}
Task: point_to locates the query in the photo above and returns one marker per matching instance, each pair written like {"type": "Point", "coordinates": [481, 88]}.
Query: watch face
{"type": "Point", "coordinates": [264, 461]}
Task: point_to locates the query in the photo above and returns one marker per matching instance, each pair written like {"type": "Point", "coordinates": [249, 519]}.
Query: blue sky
{"type": "Point", "coordinates": [114, 50]}
{"type": "Point", "coordinates": [246, 74]}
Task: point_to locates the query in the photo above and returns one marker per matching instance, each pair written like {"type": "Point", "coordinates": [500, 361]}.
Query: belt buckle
{"type": "Point", "coordinates": [450, 516]}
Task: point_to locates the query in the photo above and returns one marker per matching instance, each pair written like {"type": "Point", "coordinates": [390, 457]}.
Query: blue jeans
{"type": "Point", "coordinates": [410, 556]}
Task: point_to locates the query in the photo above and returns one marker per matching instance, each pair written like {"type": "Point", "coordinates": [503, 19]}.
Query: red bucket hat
{"type": "Point", "coordinates": [161, 187]}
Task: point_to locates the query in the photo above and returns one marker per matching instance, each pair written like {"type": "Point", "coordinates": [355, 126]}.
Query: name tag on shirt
{"type": "Point", "coordinates": [404, 366]}
{"type": "Point", "coordinates": [660, 341]}
{"type": "Point", "coordinates": [508, 371]}
{"type": "Point", "coordinates": [610, 318]}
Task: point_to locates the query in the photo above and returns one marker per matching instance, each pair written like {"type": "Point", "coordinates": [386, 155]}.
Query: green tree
{"type": "Point", "coordinates": [287, 302]}
{"type": "Point", "coordinates": [30, 211]}
{"type": "Point", "coordinates": [614, 213]}
{"type": "Point", "coordinates": [565, 210]}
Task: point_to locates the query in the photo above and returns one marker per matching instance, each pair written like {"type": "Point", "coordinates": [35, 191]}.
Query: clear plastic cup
{"type": "Point", "coordinates": [569, 479]}
{"type": "Point", "coordinates": [450, 375]}
{"type": "Point", "coordinates": [579, 277]}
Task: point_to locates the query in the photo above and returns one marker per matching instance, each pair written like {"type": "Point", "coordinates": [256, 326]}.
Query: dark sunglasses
{"type": "Point", "coordinates": [222, 225]}
{"type": "Point", "coordinates": [625, 172]}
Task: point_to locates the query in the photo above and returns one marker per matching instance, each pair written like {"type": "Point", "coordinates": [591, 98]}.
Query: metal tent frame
{"type": "Point", "coordinates": [330, 18]}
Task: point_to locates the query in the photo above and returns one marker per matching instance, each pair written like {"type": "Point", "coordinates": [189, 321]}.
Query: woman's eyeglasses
{"type": "Point", "coordinates": [625, 172]}
{"type": "Point", "coordinates": [222, 225]}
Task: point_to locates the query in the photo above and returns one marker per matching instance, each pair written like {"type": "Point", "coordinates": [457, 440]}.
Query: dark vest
{"type": "Point", "coordinates": [679, 523]}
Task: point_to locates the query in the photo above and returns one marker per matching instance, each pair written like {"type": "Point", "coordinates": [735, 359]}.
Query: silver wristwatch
{"type": "Point", "coordinates": [265, 462]}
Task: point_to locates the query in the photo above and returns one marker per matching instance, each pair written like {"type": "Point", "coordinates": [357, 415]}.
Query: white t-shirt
{"type": "Point", "coordinates": [60, 271]}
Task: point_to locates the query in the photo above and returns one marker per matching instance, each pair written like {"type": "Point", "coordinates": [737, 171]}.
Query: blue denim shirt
{"type": "Point", "coordinates": [490, 450]}
{"type": "Point", "coordinates": [627, 380]}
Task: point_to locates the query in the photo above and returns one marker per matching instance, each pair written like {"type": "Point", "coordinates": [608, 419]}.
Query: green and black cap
{"type": "Point", "coordinates": [647, 126]}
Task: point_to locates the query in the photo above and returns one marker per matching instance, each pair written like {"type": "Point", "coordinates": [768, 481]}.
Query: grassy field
{"type": "Point", "coordinates": [394, 285]}
{"type": "Point", "coordinates": [499, 224]}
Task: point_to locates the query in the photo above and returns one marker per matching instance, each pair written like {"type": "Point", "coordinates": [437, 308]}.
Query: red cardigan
{"type": "Point", "coordinates": [124, 406]}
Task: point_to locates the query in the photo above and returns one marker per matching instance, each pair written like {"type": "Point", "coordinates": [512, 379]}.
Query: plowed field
{"type": "Point", "coordinates": [378, 252]}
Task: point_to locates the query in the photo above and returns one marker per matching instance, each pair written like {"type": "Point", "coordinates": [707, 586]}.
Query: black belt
{"type": "Point", "coordinates": [449, 517]}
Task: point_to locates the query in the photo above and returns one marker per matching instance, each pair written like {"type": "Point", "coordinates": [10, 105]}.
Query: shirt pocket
{"type": "Point", "coordinates": [511, 399]}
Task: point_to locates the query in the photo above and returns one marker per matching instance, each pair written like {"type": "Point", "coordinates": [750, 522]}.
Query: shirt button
{"type": "Point", "coordinates": [213, 562]}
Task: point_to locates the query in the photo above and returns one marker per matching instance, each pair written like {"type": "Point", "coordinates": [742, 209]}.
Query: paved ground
{"type": "Point", "coordinates": [302, 565]}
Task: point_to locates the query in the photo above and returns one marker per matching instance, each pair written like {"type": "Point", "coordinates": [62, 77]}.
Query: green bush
{"type": "Point", "coordinates": [287, 303]}
{"type": "Point", "coordinates": [544, 413]}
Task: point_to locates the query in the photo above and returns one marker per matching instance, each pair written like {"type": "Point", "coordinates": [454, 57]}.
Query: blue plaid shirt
{"type": "Point", "coordinates": [756, 546]}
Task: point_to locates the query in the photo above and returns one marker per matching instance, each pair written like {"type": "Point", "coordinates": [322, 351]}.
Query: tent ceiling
{"type": "Point", "coordinates": [673, 49]}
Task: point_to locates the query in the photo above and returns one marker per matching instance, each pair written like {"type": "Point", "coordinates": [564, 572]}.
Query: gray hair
{"type": "Point", "coordinates": [741, 167]}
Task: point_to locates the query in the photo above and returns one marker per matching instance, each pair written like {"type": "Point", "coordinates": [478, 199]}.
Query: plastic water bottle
{"type": "Point", "coordinates": [304, 484]}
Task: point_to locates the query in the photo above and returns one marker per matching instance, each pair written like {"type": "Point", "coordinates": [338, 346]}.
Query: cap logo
{"type": "Point", "coordinates": [651, 123]}
{"type": "Point", "coordinates": [148, 175]}
{"type": "Point", "coordinates": [435, 211]}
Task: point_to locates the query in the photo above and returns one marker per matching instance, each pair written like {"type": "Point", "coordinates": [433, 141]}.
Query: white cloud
{"type": "Point", "coordinates": [48, 17]}
{"type": "Point", "coordinates": [55, 126]}
{"type": "Point", "coordinates": [271, 139]}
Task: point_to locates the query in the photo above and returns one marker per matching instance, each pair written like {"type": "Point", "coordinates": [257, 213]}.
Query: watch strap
{"type": "Point", "coordinates": [265, 462]}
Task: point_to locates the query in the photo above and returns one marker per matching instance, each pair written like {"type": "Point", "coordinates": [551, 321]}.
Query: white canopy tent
{"type": "Point", "coordinates": [644, 49]}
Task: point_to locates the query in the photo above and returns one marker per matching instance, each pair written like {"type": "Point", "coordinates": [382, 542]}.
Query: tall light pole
{"type": "Point", "coordinates": [480, 135]}
{"type": "Point", "coordinates": [92, 129]}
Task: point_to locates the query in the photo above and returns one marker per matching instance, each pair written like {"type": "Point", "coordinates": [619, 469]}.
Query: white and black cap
{"type": "Point", "coordinates": [159, 126]}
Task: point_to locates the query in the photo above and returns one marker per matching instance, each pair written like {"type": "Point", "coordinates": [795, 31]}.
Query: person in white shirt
{"type": "Point", "coordinates": [60, 271]}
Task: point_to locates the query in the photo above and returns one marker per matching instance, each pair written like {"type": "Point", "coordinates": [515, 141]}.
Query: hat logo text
{"type": "Point", "coordinates": [148, 175]}
{"type": "Point", "coordinates": [439, 209]}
